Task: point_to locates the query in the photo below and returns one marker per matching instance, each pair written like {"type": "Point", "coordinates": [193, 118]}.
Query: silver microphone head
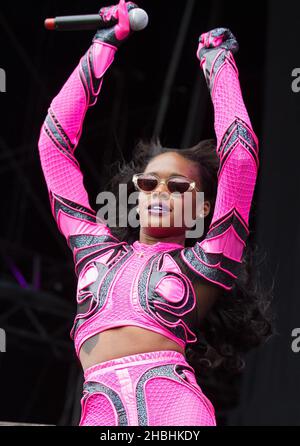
{"type": "Point", "coordinates": [138, 19]}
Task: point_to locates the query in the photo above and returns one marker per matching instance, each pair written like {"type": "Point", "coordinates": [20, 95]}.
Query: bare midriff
{"type": "Point", "coordinates": [123, 341]}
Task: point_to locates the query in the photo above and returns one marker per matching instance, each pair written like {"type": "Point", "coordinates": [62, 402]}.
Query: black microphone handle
{"type": "Point", "coordinates": [78, 22]}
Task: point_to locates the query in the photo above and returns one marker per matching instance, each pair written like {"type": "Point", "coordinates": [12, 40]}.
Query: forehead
{"type": "Point", "coordinates": [171, 163]}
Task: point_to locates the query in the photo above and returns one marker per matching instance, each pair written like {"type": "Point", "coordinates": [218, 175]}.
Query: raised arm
{"type": "Point", "coordinates": [218, 257]}
{"type": "Point", "coordinates": [62, 128]}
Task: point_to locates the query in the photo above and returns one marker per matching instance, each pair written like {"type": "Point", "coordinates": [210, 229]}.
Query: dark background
{"type": "Point", "coordinates": [40, 375]}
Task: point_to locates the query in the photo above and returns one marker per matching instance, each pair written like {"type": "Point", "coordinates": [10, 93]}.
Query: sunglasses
{"type": "Point", "coordinates": [148, 182]}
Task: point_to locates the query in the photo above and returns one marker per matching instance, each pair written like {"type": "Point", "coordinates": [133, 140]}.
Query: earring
{"type": "Point", "coordinates": [137, 210]}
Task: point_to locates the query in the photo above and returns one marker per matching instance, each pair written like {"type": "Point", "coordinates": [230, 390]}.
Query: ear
{"type": "Point", "coordinates": [205, 209]}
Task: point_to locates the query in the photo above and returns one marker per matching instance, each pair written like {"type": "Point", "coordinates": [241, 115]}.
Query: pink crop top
{"type": "Point", "coordinates": [148, 286]}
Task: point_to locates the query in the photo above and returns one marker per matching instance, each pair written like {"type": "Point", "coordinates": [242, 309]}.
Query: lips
{"type": "Point", "coordinates": [159, 208]}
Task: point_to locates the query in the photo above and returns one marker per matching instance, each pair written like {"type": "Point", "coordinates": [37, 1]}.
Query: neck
{"type": "Point", "coordinates": [151, 240]}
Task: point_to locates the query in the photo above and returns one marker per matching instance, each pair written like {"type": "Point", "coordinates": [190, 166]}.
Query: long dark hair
{"type": "Point", "coordinates": [240, 319]}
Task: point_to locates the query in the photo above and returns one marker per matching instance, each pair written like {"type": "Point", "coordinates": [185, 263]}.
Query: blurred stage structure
{"type": "Point", "coordinates": [36, 319]}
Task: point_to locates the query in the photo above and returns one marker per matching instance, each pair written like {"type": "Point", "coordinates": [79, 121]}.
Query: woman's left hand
{"type": "Point", "coordinates": [116, 34]}
{"type": "Point", "coordinates": [211, 42]}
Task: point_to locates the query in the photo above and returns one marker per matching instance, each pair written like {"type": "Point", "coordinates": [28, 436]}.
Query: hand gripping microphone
{"type": "Point", "coordinates": [138, 20]}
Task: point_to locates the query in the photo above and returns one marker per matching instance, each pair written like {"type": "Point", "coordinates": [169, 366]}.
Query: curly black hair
{"type": "Point", "coordinates": [240, 319]}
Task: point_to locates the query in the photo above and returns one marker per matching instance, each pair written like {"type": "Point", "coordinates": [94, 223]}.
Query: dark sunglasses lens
{"type": "Point", "coordinates": [147, 184]}
{"type": "Point", "coordinates": [178, 185]}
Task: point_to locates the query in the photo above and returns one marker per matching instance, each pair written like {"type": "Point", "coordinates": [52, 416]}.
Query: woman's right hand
{"type": "Point", "coordinates": [210, 44]}
{"type": "Point", "coordinates": [116, 34]}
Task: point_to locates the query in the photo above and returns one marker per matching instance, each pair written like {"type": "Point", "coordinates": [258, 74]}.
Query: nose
{"type": "Point", "coordinates": [161, 194]}
{"type": "Point", "coordinates": [162, 188]}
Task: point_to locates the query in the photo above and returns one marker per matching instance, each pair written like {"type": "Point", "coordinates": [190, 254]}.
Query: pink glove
{"type": "Point", "coordinates": [115, 35]}
{"type": "Point", "coordinates": [210, 47]}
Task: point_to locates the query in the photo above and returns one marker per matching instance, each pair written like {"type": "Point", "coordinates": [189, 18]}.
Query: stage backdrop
{"type": "Point", "coordinates": [271, 385]}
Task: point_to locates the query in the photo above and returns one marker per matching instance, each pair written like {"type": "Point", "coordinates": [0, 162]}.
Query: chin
{"type": "Point", "coordinates": [163, 231]}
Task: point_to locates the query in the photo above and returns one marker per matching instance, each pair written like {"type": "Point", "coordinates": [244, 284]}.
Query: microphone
{"type": "Point", "coordinates": [138, 19]}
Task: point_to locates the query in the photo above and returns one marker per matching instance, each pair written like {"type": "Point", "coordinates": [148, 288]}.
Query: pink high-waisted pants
{"type": "Point", "coordinates": [156, 388]}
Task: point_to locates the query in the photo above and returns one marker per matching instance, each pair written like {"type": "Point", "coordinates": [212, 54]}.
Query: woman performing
{"type": "Point", "coordinates": [144, 296]}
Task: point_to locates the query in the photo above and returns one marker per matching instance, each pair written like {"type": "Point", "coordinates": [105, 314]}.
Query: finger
{"type": "Point", "coordinates": [218, 32]}
{"type": "Point", "coordinates": [121, 6]}
{"type": "Point", "coordinates": [207, 40]}
{"type": "Point", "coordinates": [122, 29]}
{"type": "Point", "coordinates": [122, 3]}
{"type": "Point", "coordinates": [216, 41]}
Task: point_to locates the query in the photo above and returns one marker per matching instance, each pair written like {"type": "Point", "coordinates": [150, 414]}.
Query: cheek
{"type": "Point", "coordinates": [142, 200]}
{"type": "Point", "coordinates": [194, 208]}
{"type": "Point", "coordinates": [182, 211]}
{"type": "Point", "coordinates": [189, 205]}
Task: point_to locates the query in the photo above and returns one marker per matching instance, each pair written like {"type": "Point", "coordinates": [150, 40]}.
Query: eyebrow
{"type": "Point", "coordinates": [171, 175]}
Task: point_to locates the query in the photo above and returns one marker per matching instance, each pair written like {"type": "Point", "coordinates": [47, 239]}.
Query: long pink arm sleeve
{"type": "Point", "coordinates": [218, 257]}
{"type": "Point", "coordinates": [62, 127]}
{"type": "Point", "coordinates": [59, 137]}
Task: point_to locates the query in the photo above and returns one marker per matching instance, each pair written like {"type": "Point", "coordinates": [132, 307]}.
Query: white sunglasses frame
{"type": "Point", "coordinates": [163, 181]}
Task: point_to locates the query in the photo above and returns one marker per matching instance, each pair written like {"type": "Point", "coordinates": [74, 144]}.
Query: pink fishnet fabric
{"type": "Point", "coordinates": [167, 402]}
{"type": "Point", "coordinates": [63, 176]}
{"type": "Point", "coordinates": [118, 308]}
{"type": "Point", "coordinates": [170, 403]}
{"type": "Point", "coordinates": [237, 179]}
{"type": "Point", "coordinates": [122, 305]}
{"type": "Point", "coordinates": [98, 411]}
{"type": "Point", "coordinates": [236, 184]}
{"type": "Point", "coordinates": [70, 106]}
{"type": "Point", "coordinates": [227, 99]}
{"type": "Point", "coordinates": [238, 176]}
